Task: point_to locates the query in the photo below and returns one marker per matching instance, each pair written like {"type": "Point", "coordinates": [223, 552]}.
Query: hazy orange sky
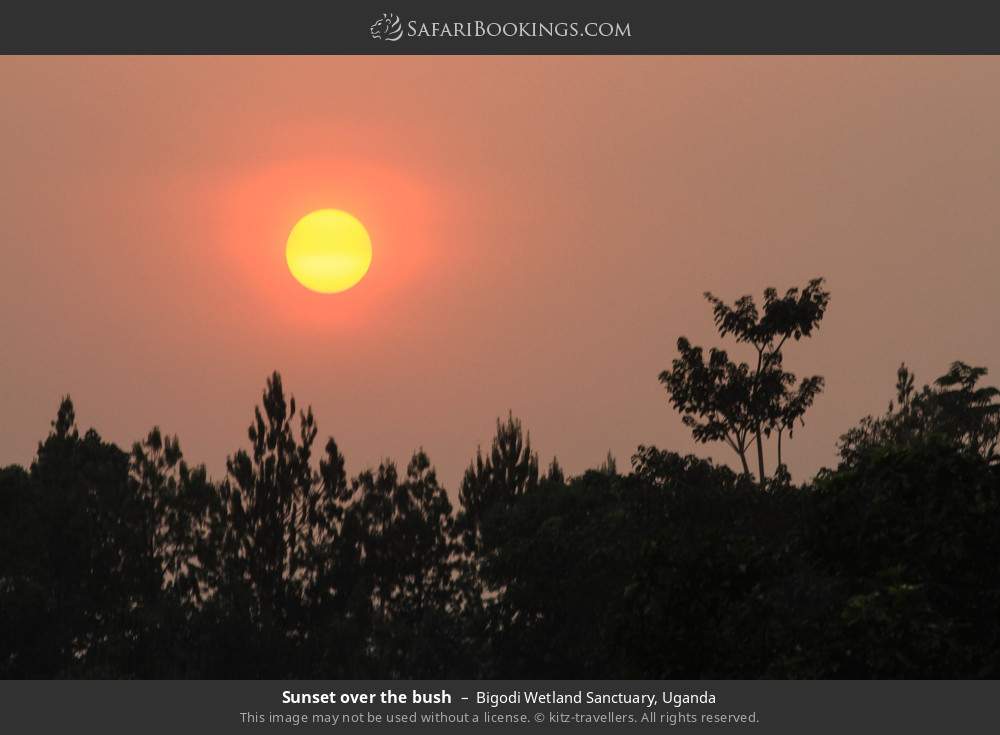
{"type": "Point", "coordinates": [543, 229]}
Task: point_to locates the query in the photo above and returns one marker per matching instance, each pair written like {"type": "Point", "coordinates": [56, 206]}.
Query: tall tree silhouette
{"type": "Point", "coordinates": [403, 529]}
{"type": "Point", "coordinates": [279, 518]}
{"type": "Point", "coordinates": [507, 472]}
{"type": "Point", "coordinates": [743, 403]}
{"type": "Point", "coordinates": [99, 560]}
{"type": "Point", "coordinates": [492, 484]}
{"type": "Point", "coordinates": [179, 502]}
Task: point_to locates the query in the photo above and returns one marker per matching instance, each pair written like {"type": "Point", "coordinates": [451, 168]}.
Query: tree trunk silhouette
{"type": "Point", "coordinates": [779, 447]}
{"type": "Point", "coordinates": [743, 458]}
{"type": "Point", "coordinates": [760, 457]}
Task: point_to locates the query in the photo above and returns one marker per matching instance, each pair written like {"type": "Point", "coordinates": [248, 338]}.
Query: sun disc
{"type": "Point", "coordinates": [328, 251]}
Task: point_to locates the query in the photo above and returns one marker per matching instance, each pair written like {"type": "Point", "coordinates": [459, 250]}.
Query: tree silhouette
{"type": "Point", "coordinates": [96, 556]}
{"type": "Point", "coordinates": [178, 502]}
{"type": "Point", "coordinates": [555, 475]}
{"type": "Point", "coordinates": [278, 520]}
{"type": "Point", "coordinates": [742, 403]}
{"type": "Point", "coordinates": [954, 409]}
{"type": "Point", "coordinates": [140, 565]}
{"type": "Point", "coordinates": [509, 471]}
{"type": "Point", "coordinates": [407, 552]}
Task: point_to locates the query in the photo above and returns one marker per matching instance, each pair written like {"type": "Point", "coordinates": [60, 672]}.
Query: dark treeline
{"type": "Point", "coordinates": [135, 563]}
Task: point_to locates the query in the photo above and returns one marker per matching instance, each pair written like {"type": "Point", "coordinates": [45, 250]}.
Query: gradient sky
{"type": "Point", "coordinates": [543, 229]}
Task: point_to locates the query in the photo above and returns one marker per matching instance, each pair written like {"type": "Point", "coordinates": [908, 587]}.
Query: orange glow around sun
{"type": "Point", "coordinates": [328, 251]}
{"type": "Point", "coordinates": [250, 215]}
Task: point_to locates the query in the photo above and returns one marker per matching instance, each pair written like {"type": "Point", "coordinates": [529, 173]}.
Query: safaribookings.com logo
{"type": "Point", "coordinates": [390, 28]}
{"type": "Point", "coordinates": [387, 28]}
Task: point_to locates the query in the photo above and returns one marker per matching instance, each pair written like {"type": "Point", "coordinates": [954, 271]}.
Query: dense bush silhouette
{"type": "Point", "coordinates": [137, 564]}
{"type": "Point", "coordinates": [910, 538]}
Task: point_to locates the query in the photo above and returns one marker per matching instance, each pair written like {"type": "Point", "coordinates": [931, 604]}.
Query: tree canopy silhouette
{"type": "Point", "coordinates": [507, 472]}
{"type": "Point", "coordinates": [954, 409]}
{"type": "Point", "coordinates": [743, 403]}
{"type": "Point", "coordinates": [139, 564]}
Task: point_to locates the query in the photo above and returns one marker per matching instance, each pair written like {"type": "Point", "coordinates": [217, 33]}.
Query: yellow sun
{"type": "Point", "coordinates": [328, 251]}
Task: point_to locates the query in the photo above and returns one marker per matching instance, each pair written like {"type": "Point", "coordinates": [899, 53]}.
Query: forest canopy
{"type": "Point", "coordinates": [133, 562]}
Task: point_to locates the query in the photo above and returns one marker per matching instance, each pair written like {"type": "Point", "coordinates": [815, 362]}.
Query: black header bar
{"type": "Point", "coordinates": [514, 27]}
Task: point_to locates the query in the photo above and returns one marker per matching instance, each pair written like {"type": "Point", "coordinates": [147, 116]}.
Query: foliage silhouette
{"type": "Point", "coordinates": [137, 564]}
{"type": "Point", "coordinates": [954, 409]}
{"type": "Point", "coordinates": [508, 472]}
{"type": "Point", "coordinates": [742, 403]}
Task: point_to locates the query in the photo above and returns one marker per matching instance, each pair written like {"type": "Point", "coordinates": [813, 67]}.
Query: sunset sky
{"type": "Point", "coordinates": [542, 230]}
